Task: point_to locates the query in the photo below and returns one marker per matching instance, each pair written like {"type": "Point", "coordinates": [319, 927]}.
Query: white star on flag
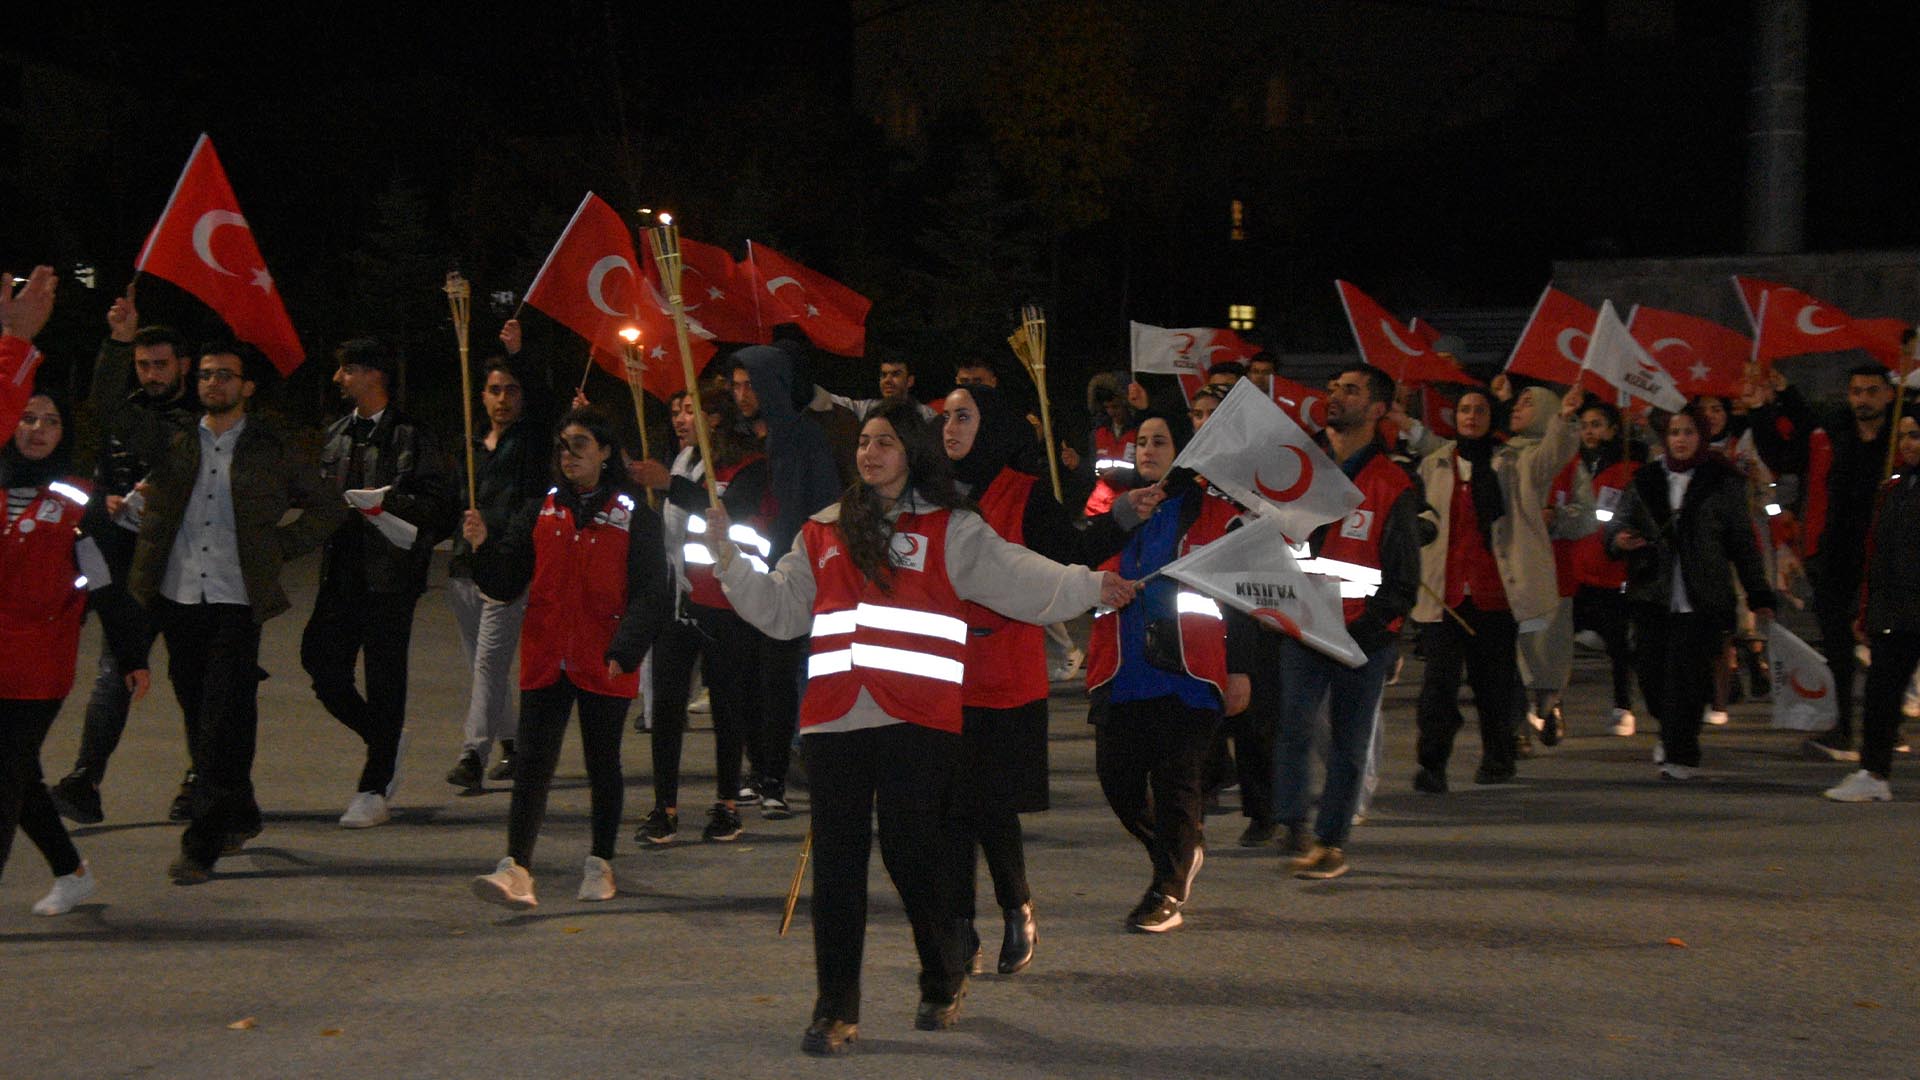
{"type": "Point", "coordinates": [714, 293]}
{"type": "Point", "coordinates": [812, 312]}
{"type": "Point", "coordinates": [1698, 372]}
{"type": "Point", "coordinates": [658, 352]}
{"type": "Point", "coordinates": [262, 279]}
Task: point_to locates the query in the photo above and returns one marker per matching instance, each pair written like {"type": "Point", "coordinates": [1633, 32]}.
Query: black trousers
{"type": "Point", "coordinates": [781, 674]}
{"type": "Point", "coordinates": [213, 661]}
{"type": "Point", "coordinates": [1151, 756]}
{"type": "Point", "coordinates": [108, 702]}
{"type": "Point", "coordinates": [1604, 611]}
{"type": "Point", "coordinates": [374, 628]}
{"type": "Point", "coordinates": [1836, 600]}
{"type": "Point", "coordinates": [1491, 669]}
{"type": "Point", "coordinates": [903, 773]}
{"type": "Point", "coordinates": [543, 728]}
{"type": "Point", "coordinates": [1676, 653]}
{"type": "Point", "coordinates": [997, 837]}
{"type": "Point", "coordinates": [1894, 658]}
{"type": "Point", "coordinates": [24, 803]}
{"type": "Point", "coordinates": [725, 646]}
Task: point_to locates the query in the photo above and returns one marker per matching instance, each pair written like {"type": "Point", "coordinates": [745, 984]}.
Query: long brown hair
{"type": "Point", "coordinates": [863, 513]}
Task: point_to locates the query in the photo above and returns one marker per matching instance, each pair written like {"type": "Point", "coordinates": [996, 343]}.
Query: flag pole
{"type": "Point", "coordinates": [460, 299]}
{"type": "Point", "coordinates": [1899, 398]}
{"type": "Point", "coordinates": [665, 239]}
{"type": "Point", "coordinates": [588, 370]}
{"type": "Point", "coordinates": [799, 874]}
{"type": "Point", "coordinates": [636, 377]}
{"type": "Point", "coordinates": [1030, 346]}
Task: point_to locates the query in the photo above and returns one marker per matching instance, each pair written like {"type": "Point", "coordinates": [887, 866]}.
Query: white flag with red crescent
{"type": "Point", "coordinates": [1614, 355]}
{"type": "Point", "coordinates": [1253, 569]}
{"type": "Point", "coordinates": [1252, 450]}
{"type": "Point", "coordinates": [1803, 697]}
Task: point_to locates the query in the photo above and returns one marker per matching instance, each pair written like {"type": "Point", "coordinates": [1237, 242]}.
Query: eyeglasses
{"type": "Point", "coordinates": [40, 420]}
{"type": "Point", "coordinates": [578, 446]}
{"type": "Point", "coordinates": [217, 375]}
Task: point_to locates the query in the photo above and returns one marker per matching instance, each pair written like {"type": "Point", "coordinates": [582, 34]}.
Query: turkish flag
{"type": "Point", "coordinates": [1702, 356]}
{"type": "Point", "coordinates": [1554, 344]}
{"type": "Point", "coordinates": [832, 316]}
{"type": "Point", "coordinates": [1789, 322]}
{"type": "Point", "coordinates": [1302, 403]}
{"type": "Point", "coordinates": [715, 292]}
{"type": "Point", "coordinates": [591, 283]}
{"type": "Point", "coordinates": [203, 244]}
{"type": "Point", "coordinates": [1403, 353]}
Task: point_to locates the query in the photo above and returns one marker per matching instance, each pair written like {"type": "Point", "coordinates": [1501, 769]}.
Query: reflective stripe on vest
{"type": "Point", "coordinates": [897, 620]}
{"type": "Point", "coordinates": [884, 658]}
{"type": "Point", "coordinates": [1356, 581]}
{"type": "Point", "coordinates": [1191, 603]}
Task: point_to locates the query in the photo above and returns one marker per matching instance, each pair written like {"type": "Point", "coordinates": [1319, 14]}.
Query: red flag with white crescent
{"type": "Point", "coordinates": [1790, 322]}
{"type": "Point", "coordinates": [592, 284]}
{"type": "Point", "coordinates": [715, 292]}
{"type": "Point", "coordinates": [1302, 403]}
{"type": "Point", "coordinates": [1554, 344]}
{"type": "Point", "coordinates": [1395, 348]}
{"type": "Point", "coordinates": [1702, 356]}
{"type": "Point", "coordinates": [832, 316]}
{"type": "Point", "coordinates": [203, 244]}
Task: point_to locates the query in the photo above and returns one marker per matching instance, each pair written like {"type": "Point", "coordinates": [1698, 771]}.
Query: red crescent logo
{"type": "Point", "coordinates": [1293, 490]}
{"type": "Point", "coordinates": [1188, 347]}
{"type": "Point", "coordinates": [1793, 680]}
{"type": "Point", "coordinates": [1279, 620]}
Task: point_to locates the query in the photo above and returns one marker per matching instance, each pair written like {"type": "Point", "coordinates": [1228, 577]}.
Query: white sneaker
{"type": "Point", "coordinates": [70, 889]}
{"type": "Point", "coordinates": [1590, 640]}
{"type": "Point", "coordinates": [596, 879]}
{"type": "Point", "coordinates": [369, 808]}
{"type": "Point", "coordinates": [1714, 717]}
{"type": "Point", "coordinates": [1859, 786]}
{"type": "Point", "coordinates": [509, 886]}
{"type": "Point", "coordinates": [1622, 721]}
{"type": "Point", "coordinates": [1659, 753]}
{"type": "Point", "coordinates": [1677, 772]}
{"type": "Point", "coordinates": [701, 704]}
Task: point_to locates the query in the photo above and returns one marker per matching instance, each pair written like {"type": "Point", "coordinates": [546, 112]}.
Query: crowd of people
{"type": "Point", "coordinates": [873, 581]}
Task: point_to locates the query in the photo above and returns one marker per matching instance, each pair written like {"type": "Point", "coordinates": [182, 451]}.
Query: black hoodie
{"type": "Point", "coordinates": [805, 480]}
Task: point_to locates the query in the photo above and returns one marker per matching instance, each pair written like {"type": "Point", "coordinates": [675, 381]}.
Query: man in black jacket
{"type": "Point", "coordinates": [135, 429]}
{"type": "Point", "coordinates": [387, 466]}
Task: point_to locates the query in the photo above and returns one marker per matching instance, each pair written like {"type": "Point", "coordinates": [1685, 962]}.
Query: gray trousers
{"type": "Point", "coordinates": [490, 634]}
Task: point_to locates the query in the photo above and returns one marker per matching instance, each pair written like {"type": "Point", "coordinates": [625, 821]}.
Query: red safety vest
{"type": "Point", "coordinates": [906, 648]}
{"type": "Point", "coordinates": [1006, 659]}
{"type": "Point", "coordinates": [1356, 540]}
{"type": "Point", "coordinates": [44, 598]}
{"type": "Point", "coordinates": [1108, 447]}
{"type": "Point", "coordinates": [1592, 566]}
{"type": "Point", "coordinates": [750, 535]}
{"type": "Point", "coordinates": [577, 599]}
{"type": "Point", "coordinates": [1203, 631]}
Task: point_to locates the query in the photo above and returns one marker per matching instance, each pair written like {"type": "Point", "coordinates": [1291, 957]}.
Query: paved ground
{"type": "Point", "coordinates": [1586, 921]}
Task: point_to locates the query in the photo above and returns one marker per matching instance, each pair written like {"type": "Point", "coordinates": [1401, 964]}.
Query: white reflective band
{"type": "Point", "coordinates": [829, 623]}
{"type": "Point", "coordinates": [68, 491]}
{"type": "Point", "coordinates": [909, 621]}
{"type": "Point", "coordinates": [624, 500]}
{"type": "Point", "coordinates": [1355, 590]}
{"type": "Point", "coordinates": [1104, 464]}
{"type": "Point", "coordinates": [1345, 571]}
{"type": "Point", "coordinates": [907, 662]}
{"type": "Point", "coordinates": [742, 534]}
{"type": "Point", "coordinates": [829, 663]}
{"type": "Point", "coordinates": [80, 582]}
{"type": "Point", "coordinates": [696, 554]}
{"type": "Point", "coordinates": [696, 524]}
{"type": "Point", "coordinates": [1603, 515]}
{"type": "Point", "coordinates": [1773, 509]}
{"type": "Point", "coordinates": [1187, 603]}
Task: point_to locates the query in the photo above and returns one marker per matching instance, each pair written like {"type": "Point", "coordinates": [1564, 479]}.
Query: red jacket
{"type": "Point", "coordinates": [577, 599]}
{"type": "Point", "coordinates": [907, 648]}
{"type": "Point", "coordinates": [1592, 566]}
{"type": "Point", "coordinates": [1006, 659]}
{"type": "Point", "coordinates": [1109, 447]}
{"type": "Point", "coordinates": [1357, 538]}
{"type": "Point", "coordinates": [1203, 630]}
{"type": "Point", "coordinates": [44, 598]}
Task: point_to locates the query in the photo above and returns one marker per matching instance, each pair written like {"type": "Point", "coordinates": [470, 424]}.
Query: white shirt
{"type": "Point", "coordinates": [1677, 494]}
{"type": "Point", "coordinates": [204, 565]}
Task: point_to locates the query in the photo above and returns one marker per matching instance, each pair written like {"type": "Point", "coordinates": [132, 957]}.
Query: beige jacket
{"type": "Point", "coordinates": [1521, 546]}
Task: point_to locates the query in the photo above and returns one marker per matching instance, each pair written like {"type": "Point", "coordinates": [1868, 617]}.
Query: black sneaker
{"type": "Point", "coordinates": [827, 1036]}
{"type": "Point", "coordinates": [774, 807]}
{"type": "Point", "coordinates": [503, 769]}
{"type": "Point", "coordinates": [186, 870]}
{"type": "Point", "coordinates": [659, 828]}
{"type": "Point", "coordinates": [181, 809]}
{"type": "Point", "coordinates": [1162, 916]}
{"type": "Point", "coordinates": [723, 824]}
{"type": "Point", "coordinates": [749, 792]}
{"type": "Point", "coordinates": [77, 798]}
{"type": "Point", "coordinates": [1553, 728]}
{"type": "Point", "coordinates": [1258, 834]}
{"type": "Point", "coordinates": [1430, 782]}
{"type": "Point", "coordinates": [466, 774]}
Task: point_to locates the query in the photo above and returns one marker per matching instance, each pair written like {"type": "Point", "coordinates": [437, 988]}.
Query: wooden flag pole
{"type": "Point", "coordinates": [666, 255]}
{"type": "Point", "coordinates": [460, 299]}
{"type": "Point", "coordinates": [1030, 346]}
{"type": "Point", "coordinates": [1899, 398]}
{"type": "Point", "coordinates": [636, 379]}
{"type": "Point", "coordinates": [799, 875]}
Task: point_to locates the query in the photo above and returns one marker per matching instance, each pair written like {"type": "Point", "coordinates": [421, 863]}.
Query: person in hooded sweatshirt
{"type": "Point", "coordinates": [804, 482]}
{"type": "Point", "coordinates": [1003, 748]}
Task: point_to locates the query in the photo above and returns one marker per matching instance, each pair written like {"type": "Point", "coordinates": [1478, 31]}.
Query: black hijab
{"type": "Point", "coordinates": [17, 472]}
{"type": "Point", "coordinates": [1489, 505]}
{"type": "Point", "coordinates": [1002, 436]}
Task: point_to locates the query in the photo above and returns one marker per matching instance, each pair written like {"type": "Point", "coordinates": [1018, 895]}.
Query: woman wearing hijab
{"type": "Point", "coordinates": [882, 582]}
{"type": "Point", "coordinates": [1489, 569]}
{"type": "Point", "coordinates": [1681, 522]}
{"type": "Point", "coordinates": [52, 570]}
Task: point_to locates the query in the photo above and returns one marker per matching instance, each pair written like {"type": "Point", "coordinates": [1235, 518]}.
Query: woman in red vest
{"type": "Point", "coordinates": [591, 560]}
{"type": "Point", "coordinates": [1608, 461]}
{"type": "Point", "coordinates": [51, 570]}
{"type": "Point", "coordinates": [883, 581]}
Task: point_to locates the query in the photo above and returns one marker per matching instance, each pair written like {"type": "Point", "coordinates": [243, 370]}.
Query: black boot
{"type": "Point", "coordinates": [1016, 948]}
{"type": "Point", "coordinates": [503, 769]}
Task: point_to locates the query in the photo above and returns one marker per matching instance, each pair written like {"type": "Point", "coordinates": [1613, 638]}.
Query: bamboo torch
{"type": "Point", "coordinates": [1030, 345]}
{"type": "Point", "coordinates": [636, 379]}
{"type": "Point", "coordinates": [666, 255]}
{"type": "Point", "coordinates": [460, 298]}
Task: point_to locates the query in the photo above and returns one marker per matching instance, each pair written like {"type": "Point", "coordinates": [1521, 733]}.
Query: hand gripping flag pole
{"type": "Point", "coordinates": [460, 299]}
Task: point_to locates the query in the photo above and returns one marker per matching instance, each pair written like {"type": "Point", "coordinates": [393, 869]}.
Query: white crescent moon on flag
{"type": "Point", "coordinates": [1565, 342]}
{"type": "Point", "coordinates": [1806, 324]}
{"type": "Point", "coordinates": [596, 279]}
{"type": "Point", "coordinates": [1394, 339]}
{"type": "Point", "coordinates": [773, 286]}
{"type": "Point", "coordinates": [1208, 351]}
{"type": "Point", "coordinates": [1669, 342]}
{"type": "Point", "coordinates": [203, 236]}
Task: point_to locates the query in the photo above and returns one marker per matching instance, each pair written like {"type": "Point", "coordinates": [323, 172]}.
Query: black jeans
{"type": "Point", "coordinates": [375, 628]}
{"type": "Point", "coordinates": [213, 661]}
{"type": "Point", "coordinates": [781, 673]}
{"type": "Point", "coordinates": [1491, 669]}
{"type": "Point", "coordinates": [724, 645]}
{"type": "Point", "coordinates": [1604, 611]}
{"type": "Point", "coordinates": [543, 727]}
{"type": "Point", "coordinates": [904, 774]}
{"type": "Point", "coordinates": [1836, 600]}
{"type": "Point", "coordinates": [24, 802]}
{"type": "Point", "coordinates": [1676, 653]}
{"type": "Point", "coordinates": [1150, 756]}
{"type": "Point", "coordinates": [108, 702]}
{"type": "Point", "coordinates": [998, 838]}
{"type": "Point", "coordinates": [1894, 658]}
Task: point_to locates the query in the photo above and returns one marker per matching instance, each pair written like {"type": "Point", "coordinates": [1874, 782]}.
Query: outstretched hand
{"type": "Point", "coordinates": [24, 313]}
